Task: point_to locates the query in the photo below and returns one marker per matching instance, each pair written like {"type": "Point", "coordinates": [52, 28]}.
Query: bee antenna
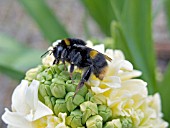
{"type": "Point", "coordinates": [46, 53]}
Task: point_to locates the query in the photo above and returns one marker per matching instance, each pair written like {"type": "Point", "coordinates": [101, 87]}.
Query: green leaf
{"type": "Point", "coordinates": [45, 19]}
{"type": "Point", "coordinates": [167, 12]}
{"type": "Point", "coordinates": [15, 74]}
{"type": "Point", "coordinates": [164, 89]}
{"type": "Point", "coordinates": [102, 13]}
{"type": "Point", "coordinates": [16, 58]}
{"type": "Point", "coordinates": [135, 28]}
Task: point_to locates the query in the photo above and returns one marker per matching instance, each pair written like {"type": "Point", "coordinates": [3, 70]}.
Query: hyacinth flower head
{"type": "Point", "coordinates": [44, 99]}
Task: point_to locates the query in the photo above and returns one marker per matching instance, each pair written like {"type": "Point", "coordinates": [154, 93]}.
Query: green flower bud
{"type": "Point", "coordinates": [86, 115]}
{"type": "Point", "coordinates": [40, 97]}
{"type": "Point", "coordinates": [31, 74]}
{"type": "Point", "coordinates": [76, 76]}
{"type": "Point", "coordinates": [60, 106]}
{"type": "Point", "coordinates": [58, 81]}
{"type": "Point", "coordinates": [126, 122]}
{"type": "Point", "coordinates": [113, 124]}
{"type": "Point", "coordinates": [94, 122]}
{"type": "Point", "coordinates": [105, 112]}
{"type": "Point", "coordinates": [58, 90]}
{"type": "Point", "coordinates": [56, 69]}
{"type": "Point", "coordinates": [70, 87]}
{"type": "Point", "coordinates": [89, 105]}
{"type": "Point", "coordinates": [47, 82]}
{"type": "Point", "coordinates": [69, 101]}
{"type": "Point", "coordinates": [78, 99]}
{"type": "Point", "coordinates": [41, 68]}
{"type": "Point", "coordinates": [74, 120]}
{"type": "Point", "coordinates": [41, 78]}
{"type": "Point", "coordinates": [73, 103]}
{"type": "Point", "coordinates": [98, 99]}
{"type": "Point", "coordinates": [53, 100]}
{"type": "Point", "coordinates": [48, 102]}
{"type": "Point", "coordinates": [89, 95]}
{"type": "Point", "coordinates": [62, 67]}
{"type": "Point", "coordinates": [48, 77]}
{"type": "Point", "coordinates": [44, 90]}
{"type": "Point", "coordinates": [88, 108]}
{"type": "Point", "coordinates": [83, 91]}
{"type": "Point", "coordinates": [64, 75]}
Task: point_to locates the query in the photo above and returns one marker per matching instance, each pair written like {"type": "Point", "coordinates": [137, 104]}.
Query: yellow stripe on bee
{"type": "Point", "coordinates": [67, 41]}
{"type": "Point", "coordinates": [93, 54]}
{"type": "Point", "coordinates": [103, 72]}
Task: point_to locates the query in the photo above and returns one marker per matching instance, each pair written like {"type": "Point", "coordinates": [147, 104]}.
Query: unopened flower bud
{"type": "Point", "coordinates": [58, 90]}
{"type": "Point", "coordinates": [60, 106]}
{"type": "Point", "coordinates": [44, 90]}
{"type": "Point", "coordinates": [94, 122]}
{"type": "Point", "coordinates": [74, 120]}
{"type": "Point", "coordinates": [83, 91]}
{"type": "Point", "coordinates": [53, 100]}
{"type": "Point", "coordinates": [48, 102]}
{"type": "Point", "coordinates": [47, 82]}
{"type": "Point", "coordinates": [58, 81]}
{"type": "Point", "coordinates": [105, 112]}
{"type": "Point", "coordinates": [76, 76]}
{"type": "Point", "coordinates": [98, 99]}
{"type": "Point", "coordinates": [88, 108]}
{"type": "Point", "coordinates": [73, 103]}
{"type": "Point", "coordinates": [31, 74]}
{"type": "Point", "coordinates": [89, 105]}
{"type": "Point", "coordinates": [69, 101]}
{"type": "Point", "coordinates": [61, 67]}
{"type": "Point", "coordinates": [126, 122]}
{"type": "Point", "coordinates": [70, 87]}
{"type": "Point", "coordinates": [64, 75]}
{"type": "Point", "coordinates": [41, 78]}
{"type": "Point", "coordinates": [89, 95]}
{"type": "Point", "coordinates": [113, 124]}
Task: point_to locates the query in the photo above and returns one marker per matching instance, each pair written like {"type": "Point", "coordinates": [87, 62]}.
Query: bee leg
{"type": "Point", "coordinates": [75, 59]}
{"type": "Point", "coordinates": [63, 57]}
{"type": "Point", "coordinates": [56, 61]}
{"type": "Point", "coordinates": [85, 78]}
{"type": "Point", "coordinates": [71, 71]}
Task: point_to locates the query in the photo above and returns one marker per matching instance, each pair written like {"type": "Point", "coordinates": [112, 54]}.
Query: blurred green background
{"type": "Point", "coordinates": [140, 28]}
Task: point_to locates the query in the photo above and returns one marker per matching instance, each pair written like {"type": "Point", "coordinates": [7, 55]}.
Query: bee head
{"type": "Point", "coordinates": [54, 48]}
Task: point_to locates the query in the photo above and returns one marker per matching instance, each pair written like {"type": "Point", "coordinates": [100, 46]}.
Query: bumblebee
{"type": "Point", "coordinates": [75, 52]}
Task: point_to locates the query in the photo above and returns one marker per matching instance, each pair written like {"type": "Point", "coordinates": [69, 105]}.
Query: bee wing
{"type": "Point", "coordinates": [107, 58]}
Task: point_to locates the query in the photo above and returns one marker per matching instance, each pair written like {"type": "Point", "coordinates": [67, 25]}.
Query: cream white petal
{"type": "Point", "coordinates": [41, 111]}
{"type": "Point", "coordinates": [109, 53]}
{"type": "Point", "coordinates": [128, 75]}
{"type": "Point", "coordinates": [118, 54]}
{"type": "Point", "coordinates": [62, 116]}
{"type": "Point", "coordinates": [48, 60]}
{"type": "Point", "coordinates": [99, 48]}
{"type": "Point", "coordinates": [112, 81]}
{"type": "Point", "coordinates": [89, 43]}
{"type": "Point", "coordinates": [92, 82]}
{"type": "Point", "coordinates": [98, 90]}
{"type": "Point", "coordinates": [155, 103]}
{"type": "Point", "coordinates": [18, 98]}
{"type": "Point", "coordinates": [31, 95]}
{"type": "Point", "coordinates": [15, 119]}
{"type": "Point", "coordinates": [135, 86]}
{"type": "Point", "coordinates": [126, 65]}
